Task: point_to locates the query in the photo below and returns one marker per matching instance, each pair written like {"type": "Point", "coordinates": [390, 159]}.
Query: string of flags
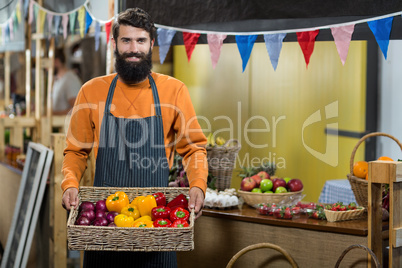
{"type": "Point", "coordinates": [342, 33]}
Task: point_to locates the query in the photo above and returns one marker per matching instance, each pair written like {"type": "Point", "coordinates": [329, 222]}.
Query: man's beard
{"type": "Point", "coordinates": [133, 72]}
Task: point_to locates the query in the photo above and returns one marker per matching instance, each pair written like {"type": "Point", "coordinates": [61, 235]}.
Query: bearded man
{"type": "Point", "coordinates": [134, 120]}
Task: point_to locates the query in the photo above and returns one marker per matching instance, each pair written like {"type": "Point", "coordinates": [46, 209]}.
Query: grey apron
{"type": "Point", "coordinates": [131, 154]}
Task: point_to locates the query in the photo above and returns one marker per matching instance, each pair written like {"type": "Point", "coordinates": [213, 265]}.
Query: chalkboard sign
{"type": "Point", "coordinates": [30, 195]}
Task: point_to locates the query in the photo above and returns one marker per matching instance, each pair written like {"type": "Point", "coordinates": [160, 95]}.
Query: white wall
{"type": "Point", "coordinates": [390, 100]}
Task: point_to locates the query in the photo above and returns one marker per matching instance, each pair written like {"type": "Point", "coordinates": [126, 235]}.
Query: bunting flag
{"type": "Point", "coordinates": [190, 40]}
{"type": "Point", "coordinates": [72, 17]}
{"type": "Point", "coordinates": [245, 45]}
{"type": "Point", "coordinates": [107, 30]}
{"type": "Point", "coordinates": [31, 12]}
{"type": "Point", "coordinates": [81, 20]}
{"type": "Point", "coordinates": [57, 20]}
{"type": "Point", "coordinates": [382, 30]}
{"type": "Point", "coordinates": [49, 18]}
{"type": "Point", "coordinates": [11, 26]}
{"type": "Point", "coordinates": [64, 22]}
{"type": "Point", "coordinates": [165, 37]}
{"type": "Point", "coordinates": [342, 37]}
{"type": "Point", "coordinates": [273, 43]}
{"type": "Point", "coordinates": [215, 42]}
{"type": "Point", "coordinates": [97, 35]}
{"type": "Point", "coordinates": [306, 41]}
{"type": "Point", "coordinates": [42, 18]}
{"type": "Point", "coordinates": [88, 21]}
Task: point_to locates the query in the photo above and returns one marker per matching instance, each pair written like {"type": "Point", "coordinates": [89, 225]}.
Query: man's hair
{"type": "Point", "coordinates": [59, 54]}
{"type": "Point", "coordinates": [135, 17]}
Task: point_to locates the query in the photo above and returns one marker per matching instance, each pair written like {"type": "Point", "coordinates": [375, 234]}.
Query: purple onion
{"type": "Point", "coordinates": [90, 214]}
{"type": "Point", "coordinates": [110, 216]}
{"type": "Point", "coordinates": [100, 214]}
{"type": "Point", "coordinates": [100, 222]}
{"type": "Point", "coordinates": [87, 205]}
{"type": "Point", "coordinates": [101, 205]}
{"type": "Point", "coordinates": [83, 221]}
{"type": "Point", "coordinates": [112, 224]}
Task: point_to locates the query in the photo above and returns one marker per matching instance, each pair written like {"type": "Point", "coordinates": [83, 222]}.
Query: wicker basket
{"type": "Point", "coordinates": [360, 186]}
{"type": "Point", "coordinates": [221, 162]}
{"type": "Point", "coordinates": [128, 238]}
{"type": "Point", "coordinates": [253, 199]}
{"type": "Point", "coordinates": [333, 216]}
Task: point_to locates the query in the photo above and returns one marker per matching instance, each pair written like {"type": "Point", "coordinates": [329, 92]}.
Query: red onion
{"type": "Point", "coordinates": [100, 214]}
{"type": "Point", "coordinates": [83, 221]}
{"type": "Point", "coordinates": [87, 205]}
{"type": "Point", "coordinates": [90, 214]}
{"type": "Point", "coordinates": [112, 224]}
{"type": "Point", "coordinates": [101, 205]}
{"type": "Point", "coordinates": [110, 216]}
{"type": "Point", "coordinates": [100, 222]}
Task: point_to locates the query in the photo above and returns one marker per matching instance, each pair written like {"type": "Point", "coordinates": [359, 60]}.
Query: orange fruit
{"type": "Point", "coordinates": [360, 169]}
{"type": "Point", "coordinates": [385, 158]}
{"type": "Point", "coordinates": [367, 176]}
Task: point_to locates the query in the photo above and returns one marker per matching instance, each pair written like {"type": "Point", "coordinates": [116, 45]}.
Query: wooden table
{"type": "Point", "coordinates": [220, 234]}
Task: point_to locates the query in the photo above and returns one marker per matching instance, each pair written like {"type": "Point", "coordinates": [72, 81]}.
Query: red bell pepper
{"type": "Point", "coordinates": [179, 214]}
{"type": "Point", "coordinates": [178, 201]}
{"type": "Point", "coordinates": [180, 224]}
{"type": "Point", "coordinates": [162, 223]}
{"type": "Point", "coordinates": [160, 198]}
{"type": "Point", "coordinates": [160, 212]}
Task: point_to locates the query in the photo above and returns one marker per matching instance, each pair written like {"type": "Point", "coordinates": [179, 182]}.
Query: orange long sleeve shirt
{"type": "Point", "coordinates": [180, 126]}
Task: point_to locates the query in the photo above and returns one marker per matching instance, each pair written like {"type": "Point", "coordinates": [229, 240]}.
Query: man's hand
{"type": "Point", "coordinates": [70, 198]}
{"type": "Point", "coordinates": [196, 201]}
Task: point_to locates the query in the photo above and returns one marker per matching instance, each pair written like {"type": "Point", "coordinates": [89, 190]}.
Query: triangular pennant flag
{"type": "Point", "coordinates": [64, 22]}
{"type": "Point", "coordinates": [57, 20]}
{"type": "Point", "coordinates": [245, 45]}
{"type": "Point", "coordinates": [11, 27]}
{"type": "Point", "coordinates": [273, 43]}
{"type": "Point", "coordinates": [49, 23]}
{"type": "Point", "coordinates": [88, 21]}
{"type": "Point", "coordinates": [342, 36]}
{"type": "Point", "coordinates": [165, 37]}
{"type": "Point", "coordinates": [27, 4]}
{"type": "Point", "coordinates": [97, 35]}
{"type": "Point", "coordinates": [42, 18]}
{"type": "Point", "coordinates": [6, 31]}
{"type": "Point", "coordinates": [18, 12]}
{"type": "Point", "coordinates": [72, 17]}
{"type": "Point", "coordinates": [36, 10]}
{"type": "Point", "coordinates": [16, 22]}
{"type": "Point", "coordinates": [306, 41]}
{"type": "Point", "coordinates": [81, 20]}
{"type": "Point", "coordinates": [215, 42]}
{"type": "Point", "coordinates": [382, 30]}
{"type": "Point", "coordinates": [190, 40]}
{"type": "Point", "coordinates": [107, 30]}
{"type": "Point", "coordinates": [31, 12]}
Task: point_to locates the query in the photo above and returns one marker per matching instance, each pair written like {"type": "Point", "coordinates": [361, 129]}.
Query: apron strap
{"type": "Point", "coordinates": [110, 95]}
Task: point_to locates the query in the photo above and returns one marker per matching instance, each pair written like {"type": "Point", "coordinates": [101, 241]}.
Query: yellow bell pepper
{"type": "Point", "coordinates": [144, 224]}
{"type": "Point", "coordinates": [131, 210]}
{"type": "Point", "coordinates": [143, 218]}
{"type": "Point", "coordinates": [135, 201]}
{"type": "Point", "coordinates": [117, 201]}
{"type": "Point", "coordinates": [145, 205]}
{"type": "Point", "coordinates": [122, 220]}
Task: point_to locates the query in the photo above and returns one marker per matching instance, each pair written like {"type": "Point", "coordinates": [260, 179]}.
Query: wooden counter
{"type": "Point", "coordinates": [220, 234]}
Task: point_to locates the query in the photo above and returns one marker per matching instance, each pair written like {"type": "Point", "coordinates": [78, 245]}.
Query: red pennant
{"type": "Point", "coordinates": [306, 41]}
{"type": "Point", "coordinates": [108, 25]}
{"type": "Point", "coordinates": [190, 40]}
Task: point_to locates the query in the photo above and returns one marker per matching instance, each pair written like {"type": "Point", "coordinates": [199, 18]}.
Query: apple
{"type": "Point", "coordinates": [268, 192]}
{"type": "Point", "coordinates": [256, 190]}
{"type": "Point", "coordinates": [287, 179]}
{"type": "Point", "coordinates": [257, 180]}
{"type": "Point", "coordinates": [266, 185]}
{"type": "Point", "coordinates": [247, 184]}
{"type": "Point", "coordinates": [295, 185]}
{"type": "Point", "coordinates": [280, 189]}
{"type": "Point", "coordinates": [263, 175]}
{"type": "Point", "coordinates": [277, 183]}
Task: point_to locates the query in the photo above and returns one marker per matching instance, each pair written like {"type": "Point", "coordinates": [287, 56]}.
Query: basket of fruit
{"type": "Point", "coordinates": [358, 176]}
{"type": "Point", "coordinates": [131, 219]}
{"type": "Point", "coordinates": [221, 156]}
{"type": "Point", "coordinates": [341, 212]}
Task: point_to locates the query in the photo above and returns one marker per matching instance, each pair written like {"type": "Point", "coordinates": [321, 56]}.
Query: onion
{"type": "Point", "coordinates": [100, 222]}
{"type": "Point", "coordinates": [87, 205]}
{"type": "Point", "coordinates": [112, 224]}
{"type": "Point", "coordinates": [101, 205]}
{"type": "Point", "coordinates": [90, 214]}
{"type": "Point", "coordinates": [82, 220]}
{"type": "Point", "coordinates": [110, 216]}
{"type": "Point", "coordinates": [100, 214]}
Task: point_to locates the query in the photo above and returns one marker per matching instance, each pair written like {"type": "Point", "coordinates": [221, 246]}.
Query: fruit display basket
{"type": "Point", "coordinates": [333, 216]}
{"type": "Point", "coordinates": [253, 199]}
{"type": "Point", "coordinates": [360, 186]}
{"type": "Point", "coordinates": [108, 238]}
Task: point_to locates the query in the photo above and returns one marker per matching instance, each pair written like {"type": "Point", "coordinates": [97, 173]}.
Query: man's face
{"type": "Point", "coordinates": [133, 51]}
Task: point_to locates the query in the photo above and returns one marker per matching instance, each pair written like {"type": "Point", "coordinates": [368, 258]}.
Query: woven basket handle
{"type": "Point", "coordinates": [236, 143]}
{"type": "Point", "coordinates": [262, 245]}
{"type": "Point", "coordinates": [376, 262]}
{"type": "Point", "coordinates": [374, 134]}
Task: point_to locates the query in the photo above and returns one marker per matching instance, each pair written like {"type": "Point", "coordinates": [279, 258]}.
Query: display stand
{"type": "Point", "coordinates": [385, 172]}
